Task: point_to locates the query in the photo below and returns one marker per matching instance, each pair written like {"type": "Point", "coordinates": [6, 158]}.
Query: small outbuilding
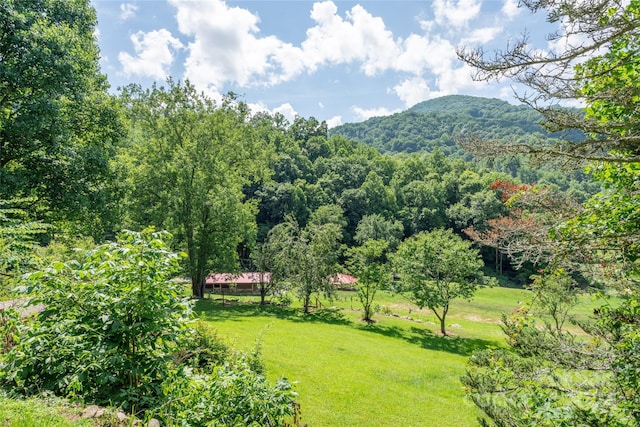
{"type": "Point", "coordinates": [343, 281]}
{"type": "Point", "coordinates": [248, 282]}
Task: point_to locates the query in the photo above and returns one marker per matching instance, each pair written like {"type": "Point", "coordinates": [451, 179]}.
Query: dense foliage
{"type": "Point", "coordinates": [551, 376]}
{"type": "Point", "coordinates": [240, 190]}
{"type": "Point", "coordinates": [307, 256]}
{"type": "Point", "coordinates": [435, 124]}
{"type": "Point", "coordinates": [441, 123]}
{"type": "Point", "coordinates": [188, 161]}
{"type": "Point", "coordinates": [114, 330]}
{"type": "Point", "coordinates": [18, 235]}
{"type": "Point", "coordinates": [58, 125]}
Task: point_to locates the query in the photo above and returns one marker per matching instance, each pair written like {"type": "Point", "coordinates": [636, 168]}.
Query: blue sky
{"type": "Point", "coordinates": [338, 61]}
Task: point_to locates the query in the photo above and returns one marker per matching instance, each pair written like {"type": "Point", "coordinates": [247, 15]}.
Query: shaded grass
{"type": "Point", "coordinates": [349, 373]}
{"type": "Point", "coordinates": [397, 371]}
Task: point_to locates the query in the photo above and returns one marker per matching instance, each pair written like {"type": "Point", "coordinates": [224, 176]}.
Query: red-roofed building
{"type": "Point", "coordinates": [343, 281]}
{"type": "Point", "coordinates": [238, 282]}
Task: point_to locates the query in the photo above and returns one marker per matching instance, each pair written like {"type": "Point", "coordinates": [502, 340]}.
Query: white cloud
{"type": "Point", "coordinates": [153, 54]}
{"type": "Point", "coordinates": [367, 113]}
{"type": "Point", "coordinates": [226, 46]}
{"type": "Point", "coordinates": [287, 111]}
{"type": "Point", "coordinates": [127, 10]}
{"type": "Point", "coordinates": [457, 80]}
{"type": "Point", "coordinates": [426, 26]}
{"type": "Point", "coordinates": [421, 54]}
{"type": "Point", "coordinates": [455, 13]}
{"type": "Point", "coordinates": [359, 37]}
{"type": "Point", "coordinates": [511, 9]}
{"type": "Point", "coordinates": [334, 121]}
{"type": "Point", "coordinates": [481, 35]}
{"type": "Point", "coordinates": [506, 94]}
{"type": "Point", "coordinates": [413, 90]}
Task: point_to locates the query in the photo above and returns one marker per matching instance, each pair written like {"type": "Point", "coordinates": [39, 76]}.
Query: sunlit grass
{"type": "Point", "coordinates": [348, 373]}
{"type": "Point", "coordinates": [396, 372]}
{"type": "Point", "coordinates": [38, 413]}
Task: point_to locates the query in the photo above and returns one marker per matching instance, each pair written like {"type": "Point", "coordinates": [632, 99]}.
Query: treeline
{"type": "Point", "coordinates": [220, 178]}
{"type": "Point", "coordinates": [364, 188]}
{"type": "Point", "coordinates": [435, 124]}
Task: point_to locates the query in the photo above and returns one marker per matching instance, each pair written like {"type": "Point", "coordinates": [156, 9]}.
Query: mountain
{"type": "Point", "coordinates": [435, 123]}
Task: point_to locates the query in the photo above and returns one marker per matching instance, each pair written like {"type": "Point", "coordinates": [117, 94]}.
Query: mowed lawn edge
{"type": "Point", "coordinates": [396, 372]}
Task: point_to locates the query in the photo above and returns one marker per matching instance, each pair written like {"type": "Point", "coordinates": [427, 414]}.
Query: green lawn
{"type": "Point", "coordinates": [37, 412]}
{"type": "Point", "coordinates": [395, 372]}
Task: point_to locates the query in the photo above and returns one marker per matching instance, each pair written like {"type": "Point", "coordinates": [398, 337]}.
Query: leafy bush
{"type": "Point", "coordinates": [17, 241]}
{"type": "Point", "coordinates": [202, 350]}
{"type": "Point", "coordinates": [116, 331]}
{"type": "Point", "coordinates": [232, 395]}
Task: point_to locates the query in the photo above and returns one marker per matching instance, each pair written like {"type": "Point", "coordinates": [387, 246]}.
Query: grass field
{"type": "Point", "coordinates": [396, 372]}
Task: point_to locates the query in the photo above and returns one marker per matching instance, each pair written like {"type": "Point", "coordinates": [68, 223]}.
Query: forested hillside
{"type": "Point", "coordinates": [436, 122]}
{"type": "Point", "coordinates": [434, 125]}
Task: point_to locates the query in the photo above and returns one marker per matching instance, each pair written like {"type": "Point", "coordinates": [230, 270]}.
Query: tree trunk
{"type": "Point", "coordinates": [442, 329]}
{"type": "Point", "coordinates": [307, 303]}
{"type": "Point", "coordinates": [263, 294]}
{"type": "Point", "coordinates": [197, 287]}
{"type": "Point", "coordinates": [442, 318]}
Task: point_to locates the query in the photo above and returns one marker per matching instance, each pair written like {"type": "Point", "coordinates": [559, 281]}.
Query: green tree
{"type": "Point", "coordinates": [307, 257]}
{"type": "Point", "coordinates": [435, 268]}
{"type": "Point", "coordinates": [189, 160]}
{"type": "Point", "coordinates": [592, 381]}
{"type": "Point", "coordinates": [367, 263]}
{"type": "Point", "coordinates": [58, 125]}
{"type": "Point", "coordinates": [379, 198]}
{"type": "Point", "coordinates": [280, 199]}
{"type": "Point", "coordinates": [328, 214]}
{"type": "Point", "coordinates": [423, 205]}
{"type": "Point", "coordinates": [265, 258]}
{"type": "Point", "coordinates": [376, 227]}
{"type": "Point", "coordinates": [556, 294]}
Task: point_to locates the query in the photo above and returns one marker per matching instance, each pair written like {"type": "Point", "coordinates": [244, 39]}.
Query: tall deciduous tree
{"type": "Point", "coordinates": [376, 227]}
{"type": "Point", "coordinates": [307, 257]}
{"type": "Point", "coordinates": [368, 264]}
{"type": "Point", "coordinates": [435, 268]}
{"type": "Point", "coordinates": [190, 159]}
{"type": "Point", "coordinates": [58, 125]}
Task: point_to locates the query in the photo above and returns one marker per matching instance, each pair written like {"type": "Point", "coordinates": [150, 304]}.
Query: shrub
{"type": "Point", "coordinates": [111, 324]}
{"type": "Point", "coordinates": [232, 395]}
{"type": "Point", "coordinates": [116, 331]}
